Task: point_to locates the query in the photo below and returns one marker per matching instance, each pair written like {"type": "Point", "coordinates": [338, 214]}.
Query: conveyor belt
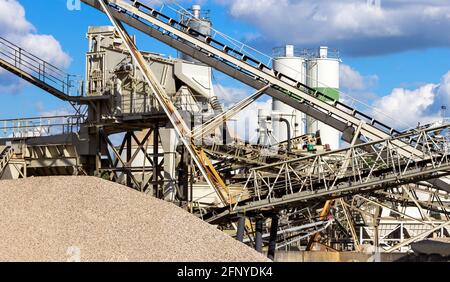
{"type": "Point", "coordinates": [256, 74]}
{"type": "Point", "coordinates": [380, 183]}
{"type": "Point", "coordinates": [249, 71]}
{"type": "Point", "coordinates": [313, 179]}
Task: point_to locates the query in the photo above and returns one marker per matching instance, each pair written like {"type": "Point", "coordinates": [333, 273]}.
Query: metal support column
{"type": "Point", "coordinates": [100, 145]}
{"type": "Point", "coordinates": [259, 233]}
{"type": "Point", "coordinates": [128, 158]}
{"type": "Point", "coordinates": [156, 188]}
{"type": "Point", "coordinates": [241, 229]}
{"type": "Point", "coordinates": [376, 223]}
{"type": "Point", "coordinates": [273, 237]}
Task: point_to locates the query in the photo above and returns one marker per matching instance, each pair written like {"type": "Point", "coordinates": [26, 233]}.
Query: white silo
{"type": "Point", "coordinates": [323, 75]}
{"type": "Point", "coordinates": [287, 63]}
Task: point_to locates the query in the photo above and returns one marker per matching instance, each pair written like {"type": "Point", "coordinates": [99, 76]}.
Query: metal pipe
{"type": "Point", "coordinates": [294, 229]}
{"type": "Point", "coordinates": [156, 190]}
{"type": "Point", "coordinates": [289, 133]}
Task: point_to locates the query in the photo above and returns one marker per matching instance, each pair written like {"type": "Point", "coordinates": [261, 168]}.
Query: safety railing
{"type": "Point", "coordinates": [40, 127]}
{"type": "Point", "coordinates": [139, 104]}
{"type": "Point", "coordinates": [279, 52]}
{"type": "Point", "coordinates": [39, 69]}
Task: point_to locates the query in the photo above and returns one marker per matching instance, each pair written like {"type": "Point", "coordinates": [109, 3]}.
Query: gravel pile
{"type": "Point", "coordinates": [89, 219]}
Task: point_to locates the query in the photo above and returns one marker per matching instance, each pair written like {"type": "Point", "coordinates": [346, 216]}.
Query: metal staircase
{"type": "Point", "coordinates": [40, 73]}
{"type": "Point", "coordinates": [5, 157]}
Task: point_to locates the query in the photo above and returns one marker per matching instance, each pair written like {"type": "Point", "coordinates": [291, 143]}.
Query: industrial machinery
{"type": "Point", "coordinates": [297, 188]}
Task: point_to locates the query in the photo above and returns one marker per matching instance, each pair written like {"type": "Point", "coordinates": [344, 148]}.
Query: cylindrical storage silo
{"type": "Point", "coordinates": [294, 67]}
{"type": "Point", "coordinates": [323, 75]}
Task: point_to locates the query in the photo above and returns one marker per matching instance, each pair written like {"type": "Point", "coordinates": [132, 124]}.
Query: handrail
{"type": "Point", "coordinates": [40, 126]}
{"type": "Point", "coordinates": [5, 156]}
{"type": "Point", "coordinates": [38, 68]}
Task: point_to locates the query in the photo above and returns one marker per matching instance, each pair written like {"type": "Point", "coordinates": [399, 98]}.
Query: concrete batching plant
{"type": "Point", "coordinates": [292, 190]}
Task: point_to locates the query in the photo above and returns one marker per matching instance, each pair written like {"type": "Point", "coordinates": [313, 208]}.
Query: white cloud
{"type": "Point", "coordinates": [351, 25]}
{"type": "Point", "coordinates": [12, 18]}
{"type": "Point", "coordinates": [444, 90]}
{"type": "Point", "coordinates": [351, 79]}
{"type": "Point", "coordinates": [56, 112]}
{"type": "Point", "coordinates": [406, 107]}
{"type": "Point", "coordinates": [45, 47]}
{"type": "Point", "coordinates": [357, 90]}
{"type": "Point", "coordinates": [18, 30]}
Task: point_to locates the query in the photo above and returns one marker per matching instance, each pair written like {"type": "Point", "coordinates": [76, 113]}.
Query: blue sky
{"type": "Point", "coordinates": [388, 64]}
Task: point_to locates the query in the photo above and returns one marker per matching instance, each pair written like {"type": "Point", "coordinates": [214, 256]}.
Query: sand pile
{"type": "Point", "coordinates": [89, 219]}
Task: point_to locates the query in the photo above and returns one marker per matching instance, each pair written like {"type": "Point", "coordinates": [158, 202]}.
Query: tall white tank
{"type": "Point", "coordinates": [287, 63]}
{"type": "Point", "coordinates": [323, 74]}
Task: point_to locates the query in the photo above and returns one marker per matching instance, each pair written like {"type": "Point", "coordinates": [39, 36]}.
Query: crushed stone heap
{"type": "Point", "coordinates": [90, 219]}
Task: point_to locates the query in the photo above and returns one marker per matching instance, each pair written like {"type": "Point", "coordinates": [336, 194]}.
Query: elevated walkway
{"type": "Point", "coordinates": [41, 73]}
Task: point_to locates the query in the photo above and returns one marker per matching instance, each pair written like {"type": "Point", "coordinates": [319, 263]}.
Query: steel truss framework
{"type": "Point", "coordinates": [375, 167]}
{"type": "Point", "coordinates": [120, 166]}
{"type": "Point", "coordinates": [358, 169]}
